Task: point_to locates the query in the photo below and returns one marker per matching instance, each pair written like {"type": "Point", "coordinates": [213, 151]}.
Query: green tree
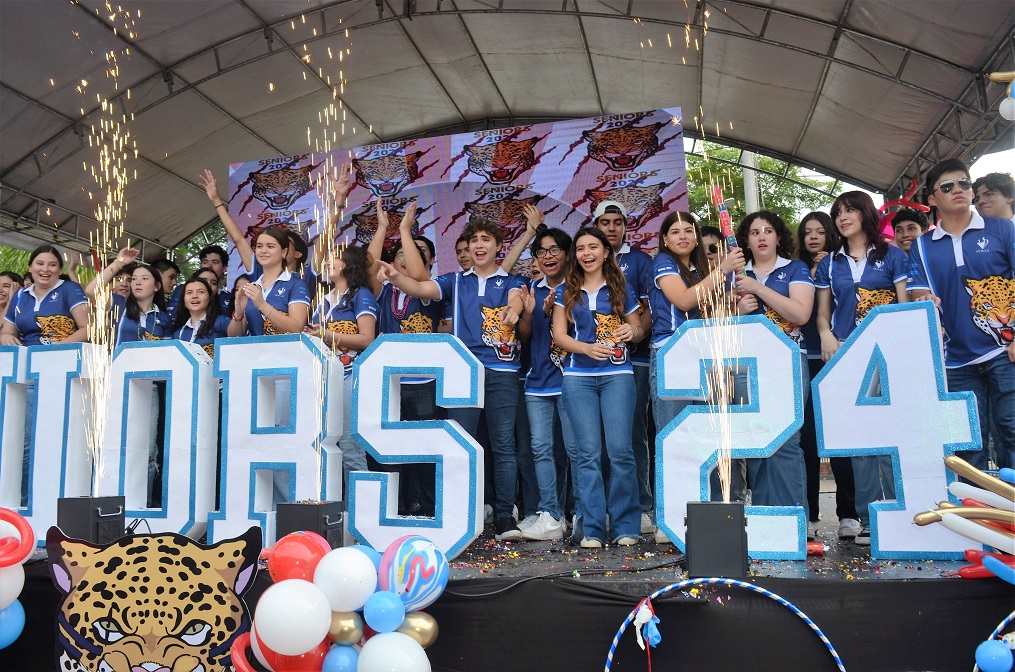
{"type": "Point", "coordinates": [788, 196]}
{"type": "Point", "coordinates": [185, 254]}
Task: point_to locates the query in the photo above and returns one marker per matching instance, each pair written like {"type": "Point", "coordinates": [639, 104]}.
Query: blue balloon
{"type": "Point", "coordinates": [12, 622]}
{"type": "Point", "coordinates": [384, 611]}
{"type": "Point", "coordinates": [341, 659]}
{"type": "Point", "coordinates": [993, 656]}
{"type": "Point", "coordinates": [374, 556]}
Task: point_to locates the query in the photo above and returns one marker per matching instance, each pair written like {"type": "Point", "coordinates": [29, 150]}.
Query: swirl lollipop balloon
{"type": "Point", "coordinates": [415, 569]}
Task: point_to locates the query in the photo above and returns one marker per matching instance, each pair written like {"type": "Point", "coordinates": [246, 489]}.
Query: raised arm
{"type": "Point", "coordinates": [376, 247]}
{"type": "Point", "coordinates": [686, 298]}
{"type": "Point", "coordinates": [211, 187]}
{"type": "Point", "coordinates": [340, 189]}
{"type": "Point", "coordinates": [413, 259]}
{"type": "Point", "coordinates": [533, 218]}
{"type": "Point", "coordinates": [125, 256]}
{"type": "Point", "coordinates": [427, 289]}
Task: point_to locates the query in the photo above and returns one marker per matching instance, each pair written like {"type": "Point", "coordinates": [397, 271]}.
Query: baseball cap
{"type": "Point", "coordinates": [609, 207]}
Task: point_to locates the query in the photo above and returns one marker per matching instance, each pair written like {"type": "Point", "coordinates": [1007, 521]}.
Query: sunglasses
{"type": "Point", "coordinates": [713, 248]}
{"type": "Point", "coordinates": [946, 187]}
{"type": "Point", "coordinates": [542, 252]}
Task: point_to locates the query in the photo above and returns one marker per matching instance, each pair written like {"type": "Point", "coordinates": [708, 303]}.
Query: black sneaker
{"type": "Point", "coordinates": [863, 538]}
{"type": "Point", "coordinates": [506, 530]}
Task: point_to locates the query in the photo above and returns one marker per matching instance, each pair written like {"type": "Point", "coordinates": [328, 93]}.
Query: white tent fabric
{"type": "Point", "coordinates": [871, 91]}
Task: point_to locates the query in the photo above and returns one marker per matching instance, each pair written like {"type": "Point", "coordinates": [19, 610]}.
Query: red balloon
{"type": "Point", "coordinates": [238, 653]}
{"type": "Point", "coordinates": [295, 556]}
{"type": "Point", "coordinates": [311, 661]}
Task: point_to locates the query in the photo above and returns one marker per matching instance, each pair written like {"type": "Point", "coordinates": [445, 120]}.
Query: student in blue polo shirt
{"type": "Point", "coordinates": [543, 383]}
{"type": "Point", "coordinates": [485, 302]}
{"type": "Point", "coordinates": [863, 273]}
{"type": "Point", "coordinates": [400, 313]}
{"type": "Point", "coordinates": [816, 239]}
{"type": "Point", "coordinates": [346, 320]}
{"type": "Point", "coordinates": [276, 301]}
{"type": "Point", "coordinates": [968, 264]}
{"type": "Point", "coordinates": [681, 274]}
{"type": "Point", "coordinates": [198, 319]}
{"type": "Point", "coordinates": [49, 311]}
{"type": "Point", "coordinates": [780, 288]}
{"type": "Point", "coordinates": [595, 317]}
{"type": "Point", "coordinates": [142, 315]}
{"type": "Point", "coordinates": [610, 217]}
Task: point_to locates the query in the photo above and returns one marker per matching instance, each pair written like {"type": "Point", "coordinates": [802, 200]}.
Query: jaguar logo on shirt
{"type": "Point", "coordinates": [280, 292]}
{"type": "Point", "coordinates": [781, 276]}
{"type": "Point", "coordinates": [53, 297]}
{"type": "Point", "coordinates": [982, 243]}
{"type": "Point", "coordinates": [879, 264]}
{"type": "Point", "coordinates": [498, 282]}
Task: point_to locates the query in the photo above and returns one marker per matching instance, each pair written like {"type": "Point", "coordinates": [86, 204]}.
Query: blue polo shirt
{"type": "Point", "coordinates": [666, 317]}
{"type": "Point", "coordinates": [594, 322]}
{"type": "Point", "coordinates": [786, 272]}
{"type": "Point", "coordinates": [191, 333]}
{"type": "Point", "coordinates": [858, 286]}
{"type": "Point", "coordinates": [150, 326]}
{"type": "Point", "coordinates": [547, 359]}
{"type": "Point", "coordinates": [404, 314]}
{"type": "Point", "coordinates": [304, 273]}
{"type": "Point", "coordinates": [637, 268]}
{"type": "Point", "coordinates": [476, 305]}
{"type": "Point", "coordinates": [340, 313]}
{"type": "Point", "coordinates": [287, 290]}
{"type": "Point", "coordinates": [46, 319]}
{"type": "Point", "coordinates": [967, 272]}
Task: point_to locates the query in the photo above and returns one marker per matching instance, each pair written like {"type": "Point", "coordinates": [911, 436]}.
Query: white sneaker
{"type": "Point", "coordinates": [544, 528]}
{"type": "Point", "coordinates": [647, 526]}
{"type": "Point", "coordinates": [812, 530]}
{"type": "Point", "coordinates": [661, 537]}
{"type": "Point", "coordinates": [487, 514]}
{"type": "Point", "coordinates": [591, 543]}
{"type": "Point", "coordinates": [849, 528]}
{"type": "Point", "coordinates": [627, 541]}
{"type": "Point", "coordinates": [528, 520]}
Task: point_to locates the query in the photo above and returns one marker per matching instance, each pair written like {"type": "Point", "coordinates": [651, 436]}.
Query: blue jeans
{"type": "Point", "coordinates": [543, 413]}
{"type": "Point", "coordinates": [604, 405]}
{"type": "Point", "coordinates": [501, 412]}
{"type": "Point", "coordinates": [780, 479]}
{"type": "Point", "coordinates": [875, 481]}
{"type": "Point", "coordinates": [527, 475]}
{"type": "Point", "coordinates": [664, 410]}
{"type": "Point", "coordinates": [639, 438]}
{"type": "Point", "coordinates": [993, 383]}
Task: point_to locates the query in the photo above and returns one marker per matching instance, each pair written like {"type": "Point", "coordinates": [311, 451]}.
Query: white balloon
{"type": "Point", "coordinates": [292, 617]}
{"type": "Point", "coordinates": [12, 580]}
{"type": "Point", "coordinates": [348, 577]}
{"type": "Point", "coordinates": [392, 652]}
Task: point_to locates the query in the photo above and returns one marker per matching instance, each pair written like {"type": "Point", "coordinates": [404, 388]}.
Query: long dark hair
{"type": "Point", "coordinates": [133, 309]}
{"type": "Point", "coordinates": [861, 201]}
{"type": "Point", "coordinates": [698, 258]}
{"type": "Point", "coordinates": [784, 239]}
{"type": "Point", "coordinates": [356, 264]}
{"type": "Point", "coordinates": [183, 314]}
{"type": "Point", "coordinates": [574, 276]}
{"type": "Point", "coordinates": [832, 241]}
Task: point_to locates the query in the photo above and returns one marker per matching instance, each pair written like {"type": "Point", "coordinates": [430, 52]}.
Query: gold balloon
{"type": "Point", "coordinates": [421, 627]}
{"type": "Point", "coordinates": [346, 627]}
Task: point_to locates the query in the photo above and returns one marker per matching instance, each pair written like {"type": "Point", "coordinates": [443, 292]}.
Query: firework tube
{"type": "Point", "coordinates": [725, 223]}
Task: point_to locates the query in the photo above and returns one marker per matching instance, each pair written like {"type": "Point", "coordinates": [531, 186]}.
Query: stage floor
{"type": "Point", "coordinates": [651, 562]}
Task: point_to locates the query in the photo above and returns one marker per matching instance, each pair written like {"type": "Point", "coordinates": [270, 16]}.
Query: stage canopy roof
{"type": "Point", "coordinates": [870, 91]}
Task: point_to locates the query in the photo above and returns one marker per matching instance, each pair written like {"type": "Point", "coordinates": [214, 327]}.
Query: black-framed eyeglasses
{"type": "Point", "coordinates": [713, 248]}
{"type": "Point", "coordinates": [542, 252]}
{"type": "Point", "coordinates": [946, 187]}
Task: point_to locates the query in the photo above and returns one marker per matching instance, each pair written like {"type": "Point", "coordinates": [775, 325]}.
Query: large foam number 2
{"type": "Point", "coordinates": [373, 497]}
{"type": "Point", "coordinates": [909, 415]}
{"type": "Point", "coordinates": [686, 449]}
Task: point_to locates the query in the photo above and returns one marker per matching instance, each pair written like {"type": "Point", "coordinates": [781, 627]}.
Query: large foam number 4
{"type": "Point", "coordinates": [884, 393]}
{"type": "Point", "coordinates": [373, 497]}
{"type": "Point", "coordinates": [687, 448]}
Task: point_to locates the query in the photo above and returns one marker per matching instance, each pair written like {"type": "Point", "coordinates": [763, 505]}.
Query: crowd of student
{"type": "Point", "coordinates": [570, 352]}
